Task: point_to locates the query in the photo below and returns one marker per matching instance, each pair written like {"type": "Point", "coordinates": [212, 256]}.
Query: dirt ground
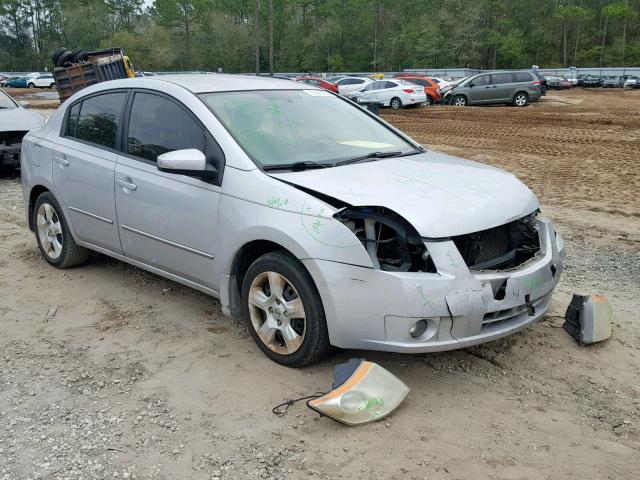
{"type": "Point", "coordinates": [107, 371]}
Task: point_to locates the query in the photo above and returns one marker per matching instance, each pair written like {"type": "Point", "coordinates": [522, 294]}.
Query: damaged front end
{"type": "Point", "coordinates": [10, 145]}
{"type": "Point", "coordinates": [391, 242]}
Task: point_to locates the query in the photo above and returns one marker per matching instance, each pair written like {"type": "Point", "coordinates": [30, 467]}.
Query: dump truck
{"type": "Point", "coordinates": [77, 69]}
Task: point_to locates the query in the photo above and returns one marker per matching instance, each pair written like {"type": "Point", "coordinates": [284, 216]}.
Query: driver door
{"type": "Point", "coordinates": [166, 220]}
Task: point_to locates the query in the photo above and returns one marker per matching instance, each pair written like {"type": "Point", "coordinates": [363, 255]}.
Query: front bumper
{"type": "Point", "coordinates": [374, 310]}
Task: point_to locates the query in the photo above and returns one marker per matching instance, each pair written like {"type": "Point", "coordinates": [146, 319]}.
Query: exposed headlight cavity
{"type": "Point", "coordinates": [392, 242]}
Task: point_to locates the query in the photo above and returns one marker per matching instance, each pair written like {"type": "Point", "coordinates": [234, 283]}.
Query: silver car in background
{"type": "Point", "coordinates": [314, 220]}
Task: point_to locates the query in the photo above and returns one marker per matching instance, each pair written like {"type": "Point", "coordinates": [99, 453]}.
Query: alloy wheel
{"type": "Point", "coordinates": [277, 313]}
{"type": "Point", "coordinates": [521, 100]}
{"type": "Point", "coordinates": [459, 101]}
{"type": "Point", "coordinates": [49, 231]}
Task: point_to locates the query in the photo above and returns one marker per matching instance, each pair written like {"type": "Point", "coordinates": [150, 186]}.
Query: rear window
{"type": "Point", "coordinates": [521, 77]}
{"type": "Point", "coordinates": [96, 119]}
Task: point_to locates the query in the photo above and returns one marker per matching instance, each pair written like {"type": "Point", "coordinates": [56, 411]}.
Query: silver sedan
{"type": "Point", "coordinates": [309, 217]}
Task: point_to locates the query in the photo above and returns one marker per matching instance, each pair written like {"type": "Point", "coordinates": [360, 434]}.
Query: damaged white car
{"type": "Point", "coordinates": [313, 219]}
{"type": "Point", "coordinates": [15, 122]}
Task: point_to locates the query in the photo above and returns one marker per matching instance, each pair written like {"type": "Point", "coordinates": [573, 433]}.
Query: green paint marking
{"type": "Point", "coordinates": [421, 292]}
{"type": "Point", "coordinates": [277, 202]}
{"type": "Point", "coordinates": [533, 283]}
{"type": "Point", "coordinates": [315, 230]}
{"type": "Point", "coordinates": [373, 405]}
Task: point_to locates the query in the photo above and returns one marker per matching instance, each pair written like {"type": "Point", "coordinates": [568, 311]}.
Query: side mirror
{"type": "Point", "coordinates": [190, 161]}
{"type": "Point", "coordinates": [471, 85]}
{"type": "Point", "coordinates": [24, 104]}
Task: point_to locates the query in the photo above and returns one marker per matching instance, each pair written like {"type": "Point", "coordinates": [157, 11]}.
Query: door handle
{"type": "Point", "coordinates": [126, 183]}
{"type": "Point", "coordinates": [61, 160]}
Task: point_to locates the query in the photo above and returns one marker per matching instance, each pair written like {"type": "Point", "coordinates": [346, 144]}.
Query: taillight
{"type": "Point", "coordinates": [536, 82]}
{"type": "Point", "coordinates": [408, 90]}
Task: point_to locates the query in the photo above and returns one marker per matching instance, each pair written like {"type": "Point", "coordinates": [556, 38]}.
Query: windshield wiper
{"type": "Point", "coordinates": [296, 166]}
{"type": "Point", "coordinates": [376, 155]}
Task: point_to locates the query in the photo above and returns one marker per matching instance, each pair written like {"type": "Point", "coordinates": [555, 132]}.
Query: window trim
{"type": "Point", "coordinates": [80, 101]}
{"type": "Point", "coordinates": [206, 132]}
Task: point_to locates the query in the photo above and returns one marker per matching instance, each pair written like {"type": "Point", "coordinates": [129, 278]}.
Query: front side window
{"type": "Point", "coordinates": [481, 80]}
{"type": "Point", "coordinates": [157, 125]}
{"type": "Point", "coordinates": [283, 127]}
{"type": "Point", "coordinates": [98, 119]}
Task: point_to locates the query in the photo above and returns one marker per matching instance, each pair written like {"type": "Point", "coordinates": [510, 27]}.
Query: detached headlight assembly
{"type": "Point", "coordinates": [363, 392]}
{"type": "Point", "coordinates": [392, 242]}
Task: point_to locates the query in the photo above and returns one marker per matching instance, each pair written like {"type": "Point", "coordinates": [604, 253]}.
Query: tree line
{"type": "Point", "coordinates": [325, 35]}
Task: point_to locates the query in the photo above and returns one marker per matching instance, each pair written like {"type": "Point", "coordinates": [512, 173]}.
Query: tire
{"type": "Point", "coordinates": [521, 99]}
{"type": "Point", "coordinates": [53, 85]}
{"type": "Point", "coordinates": [79, 55]}
{"type": "Point", "coordinates": [64, 59]}
{"type": "Point", "coordinates": [429, 101]}
{"type": "Point", "coordinates": [31, 85]}
{"type": "Point", "coordinates": [395, 103]}
{"type": "Point", "coordinates": [54, 238]}
{"type": "Point", "coordinates": [269, 317]}
{"type": "Point", "coordinates": [459, 101]}
{"type": "Point", "coordinates": [56, 55]}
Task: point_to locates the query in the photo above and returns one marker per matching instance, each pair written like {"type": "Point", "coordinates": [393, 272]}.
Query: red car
{"type": "Point", "coordinates": [319, 82]}
{"type": "Point", "coordinates": [430, 87]}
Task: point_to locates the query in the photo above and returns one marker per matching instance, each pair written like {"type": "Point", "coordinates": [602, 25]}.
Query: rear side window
{"type": "Point", "coordinates": [98, 119]}
{"type": "Point", "coordinates": [419, 81]}
{"type": "Point", "coordinates": [499, 78]}
{"type": "Point", "coordinates": [158, 125]}
{"type": "Point", "coordinates": [522, 77]}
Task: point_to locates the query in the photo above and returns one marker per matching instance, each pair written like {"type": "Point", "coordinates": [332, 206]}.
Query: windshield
{"type": "Point", "coordinates": [6, 102]}
{"type": "Point", "coordinates": [285, 127]}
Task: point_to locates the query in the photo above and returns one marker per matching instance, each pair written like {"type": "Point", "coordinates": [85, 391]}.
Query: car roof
{"type": "Point", "coordinates": [216, 82]}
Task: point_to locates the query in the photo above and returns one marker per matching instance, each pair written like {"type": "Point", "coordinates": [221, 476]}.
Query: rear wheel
{"type": "Point", "coordinates": [283, 310]}
{"type": "Point", "coordinates": [429, 100]}
{"type": "Point", "coordinates": [53, 235]}
{"type": "Point", "coordinates": [395, 103]}
{"type": "Point", "coordinates": [31, 85]}
{"type": "Point", "coordinates": [520, 99]}
{"type": "Point", "coordinates": [459, 101]}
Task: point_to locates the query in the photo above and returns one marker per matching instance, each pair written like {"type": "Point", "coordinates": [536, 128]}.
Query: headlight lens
{"type": "Point", "coordinates": [368, 394]}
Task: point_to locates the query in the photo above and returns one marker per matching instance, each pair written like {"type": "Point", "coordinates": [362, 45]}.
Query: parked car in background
{"type": "Point", "coordinates": [319, 82]}
{"type": "Point", "coordinates": [18, 82]}
{"type": "Point", "coordinates": [347, 85]}
{"type": "Point", "coordinates": [15, 122]}
{"type": "Point", "coordinates": [431, 88]}
{"type": "Point", "coordinates": [611, 82]}
{"type": "Point", "coordinates": [144, 74]}
{"type": "Point", "coordinates": [442, 83]}
{"type": "Point", "coordinates": [565, 83]}
{"type": "Point", "coordinates": [316, 222]}
{"type": "Point", "coordinates": [391, 93]}
{"type": "Point", "coordinates": [3, 78]}
{"type": "Point", "coordinates": [588, 80]}
{"type": "Point", "coordinates": [629, 81]}
{"type": "Point", "coordinates": [517, 88]}
{"type": "Point", "coordinates": [41, 81]}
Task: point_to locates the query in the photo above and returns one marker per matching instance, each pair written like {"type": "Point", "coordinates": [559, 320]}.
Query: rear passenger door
{"type": "Point", "coordinates": [503, 87]}
{"type": "Point", "coordinates": [84, 162]}
{"type": "Point", "coordinates": [167, 221]}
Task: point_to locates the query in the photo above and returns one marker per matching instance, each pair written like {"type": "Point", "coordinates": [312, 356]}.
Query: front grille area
{"type": "Point", "coordinates": [500, 248]}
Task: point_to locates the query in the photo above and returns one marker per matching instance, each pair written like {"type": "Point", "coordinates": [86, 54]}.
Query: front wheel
{"type": "Point", "coordinates": [395, 103]}
{"type": "Point", "coordinates": [283, 310]}
{"type": "Point", "coordinates": [459, 101]}
{"type": "Point", "coordinates": [520, 99]}
{"type": "Point", "coordinates": [53, 235]}
{"type": "Point", "coordinates": [31, 85]}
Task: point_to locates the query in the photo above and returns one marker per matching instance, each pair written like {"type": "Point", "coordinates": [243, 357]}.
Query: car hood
{"type": "Point", "coordinates": [440, 195]}
{"type": "Point", "coordinates": [14, 119]}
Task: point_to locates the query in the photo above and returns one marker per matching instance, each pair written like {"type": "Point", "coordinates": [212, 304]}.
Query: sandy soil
{"type": "Point", "coordinates": [110, 372]}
